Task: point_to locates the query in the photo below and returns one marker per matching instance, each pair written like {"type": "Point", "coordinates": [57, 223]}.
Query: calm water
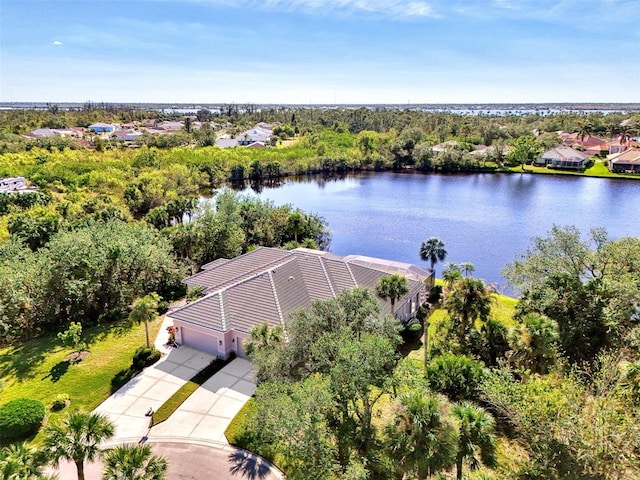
{"type": "Point", "coordinates": [486, 219]}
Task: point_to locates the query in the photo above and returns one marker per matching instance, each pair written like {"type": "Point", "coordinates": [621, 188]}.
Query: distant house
{"type": "Point", "coordinates": [625, 162]}
{"type": "Point", "coordinates": [52, 132]}
{"type": "Point", "coordinates": [12, 184]}
{"type": "Point", "coordinates": [587, 143]}
{"type": "Point", "coordinates": [126, 135]}
{"type": "Point", "coordinates": [102, 128]}
{"type": "Point", "coordinates": [563, 157]}
{"type": "Point", "coordinates": [616, 146]}
{"type": "Point", "coordinates": [267, 285]}
{"type": "Point", "coordinates": [256, 134]}
{"type": "Point", "coordinates": [444, 146]}
{"type": "Point", "coordinates": [168, 126]}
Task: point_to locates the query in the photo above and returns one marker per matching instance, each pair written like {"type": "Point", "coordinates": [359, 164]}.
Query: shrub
{"type": "Point", "coordinates": [144, 357]}
{"type": "Point", "coordinates": [435, 295]}
{"type": "Point", "coordinates": [59, 402]}
{"type": "Point", "coordinates": [456, 376]}
{"type": "Point", "coordinates": [20, 417]}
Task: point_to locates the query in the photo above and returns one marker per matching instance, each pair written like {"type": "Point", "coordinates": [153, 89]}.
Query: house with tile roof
{"type": "Point", "coordinates": [563, 157]}
{"type": "Point", "coordinates": [625, 162]}
{"type": "Point", "coordinates": [267, 285]}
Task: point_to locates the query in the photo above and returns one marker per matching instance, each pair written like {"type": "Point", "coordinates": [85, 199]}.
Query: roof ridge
{"type": "Point", "coordinates": [275, 297]}
{"type": "Point", "coordinates": [326, 275]}
{"type": "Point", "coordinates": [223, 317]}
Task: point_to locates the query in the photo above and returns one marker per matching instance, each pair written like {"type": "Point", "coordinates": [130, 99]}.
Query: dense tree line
{"type": "Point", "coordinates": [90, 266]}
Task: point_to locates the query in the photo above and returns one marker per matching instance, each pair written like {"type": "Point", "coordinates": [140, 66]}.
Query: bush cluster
{"type": "Point", "coordinates": [60, 402]}
{"type": "Point", "coordinates": [143, 357]}
{"type": "Point", "coordinates": [20, 417]}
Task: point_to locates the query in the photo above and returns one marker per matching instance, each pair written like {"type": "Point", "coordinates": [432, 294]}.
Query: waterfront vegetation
{"type": "Point", "coordinates": [546, 386]}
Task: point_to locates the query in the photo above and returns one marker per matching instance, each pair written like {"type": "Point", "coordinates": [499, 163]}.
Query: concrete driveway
{"type": "Point", "coordinates": [192, 439]}
{"type": "Point", "coordinates": [205, 415]}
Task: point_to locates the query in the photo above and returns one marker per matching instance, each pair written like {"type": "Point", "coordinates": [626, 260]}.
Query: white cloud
{"type": "Point", "coordinates": [57, 43]}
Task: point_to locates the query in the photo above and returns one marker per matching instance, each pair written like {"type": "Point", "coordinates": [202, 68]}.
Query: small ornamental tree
{"type": "Point", "coordinates": [72, 337]}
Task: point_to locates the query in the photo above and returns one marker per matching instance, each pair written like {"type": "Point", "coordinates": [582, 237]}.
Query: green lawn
{"type": "Point", "coordinates": [38, 369]}
{"type": "Point", "coordinates": [597, 170]}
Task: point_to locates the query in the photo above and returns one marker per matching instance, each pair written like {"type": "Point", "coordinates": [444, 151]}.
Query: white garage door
{"type": "Point", "coordinates": [200, 341]}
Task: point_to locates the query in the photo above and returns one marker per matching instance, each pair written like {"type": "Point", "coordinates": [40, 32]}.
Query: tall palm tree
{"type": "Point", "coordinates": [469, 299]}
{"type": "Point", "coordinates": [421, 439]}
{"type": "Point", "coordinates": [625, 136]}
{"type": "Point", "coordinates": [77, 438]}
{"type": "Point", "coordinates": [392, 287]}
{"type": "Point", "coordinates": [145, 309]}
{"type": "Point", "coordinates": [433, 251]}
{"type": "Point", "coordinates": [476, 440]}
{"type": "Point", "coordinates": [133, 462]}
{"type": "Point", "coordinates": [22, 462]}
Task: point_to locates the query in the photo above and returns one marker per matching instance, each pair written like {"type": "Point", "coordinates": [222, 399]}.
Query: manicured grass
{"type": "Point", "coordinates": [597, 170]}
{"type": "Point", "coordinates": [178, 398]}
{"type": "Point", "coordinates": [237, 433]}
{"type": "Point", "coordinates": [38, 368]}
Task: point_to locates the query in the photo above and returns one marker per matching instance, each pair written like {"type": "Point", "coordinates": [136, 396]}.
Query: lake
{"type": "Point", "coordinates": [486, 219]}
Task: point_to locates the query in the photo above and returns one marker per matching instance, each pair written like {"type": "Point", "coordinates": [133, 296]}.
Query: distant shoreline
{"type": "Point", "coordinates": [477, 108]}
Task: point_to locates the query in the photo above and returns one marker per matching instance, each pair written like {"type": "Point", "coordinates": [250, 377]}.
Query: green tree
{"type": "Point", "coordinates": [291, 419]}
{"type": "Point", "coordinates": [77, 438]}
{"type": "Point", "coordinates": [133, 462]}
{"type": "Point", "coordinates": [145, 309]}
{"type": "Point", "coordinates": [420, 438]}
{"type": "Point", "coordinates": [467, 267]}
{"type": "Point", "coordinates": [72, 337]}
{"type": "Point", "coordinates": [534, 343]}
{"type": "Point", "coordinates": [35, 227]}
{"type": "Point", "coordinates": [392, 288]}
{"type": "Point", "coordinates": [21, 461]}
{"type": "Point", "coordinates": [456, 376]}
{"type": "Point", "coordinates": [476, 439]}
{"type": "Point", "coordinates": [468, 299]}
{"type": "Point", "coordinates": [524, 150]}
{"type": "Point", "coordinates": [451, 273]}
{"type": "Point", "coordinates": [433, 251]}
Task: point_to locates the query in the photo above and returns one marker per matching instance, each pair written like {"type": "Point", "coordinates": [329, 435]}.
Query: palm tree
{"type": "Point", "coordinates": [392, 287]}
{"type": "Point", "coordinates": [22, 462]}
{"type": "Point", "coordinates": [77, 438]}
{"type": "Point", "coordinates": [451, 273]}
{"type": "Point", "coordinates": [467, 268]}
{"type": "Point", "coordinates": [433, 251]}
{"type": "Point", "coordinates": [421, 439]}
{"type": "Point", "coordinates": [263, 337]}
{"type": "Point", "coordinates": [133, 462]}
{"type": "Point", "coordinates": [144, 309]}
{"type": "Point", "coordinates": [468, 300]}
{"type": "Point", "coordinates": [625, 136]}
{"type": "Point", "coordinates": [476, 441]}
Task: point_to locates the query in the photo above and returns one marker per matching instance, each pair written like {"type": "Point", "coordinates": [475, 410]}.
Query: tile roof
{"type": "Point", "coordinates": [564, 153]}
{"type": "Point", "coordinates": [268, 284]}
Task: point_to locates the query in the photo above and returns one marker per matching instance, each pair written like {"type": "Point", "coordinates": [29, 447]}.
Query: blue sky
{"type": "Point", "coordinates": [320, 51]}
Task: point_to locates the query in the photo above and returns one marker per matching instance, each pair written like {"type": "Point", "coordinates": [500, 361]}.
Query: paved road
{"type": "Point", "coordinates": [194, 462]}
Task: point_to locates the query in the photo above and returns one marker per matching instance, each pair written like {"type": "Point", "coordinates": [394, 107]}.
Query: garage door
{"type": "Point", "coordinates": [200, 341]}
